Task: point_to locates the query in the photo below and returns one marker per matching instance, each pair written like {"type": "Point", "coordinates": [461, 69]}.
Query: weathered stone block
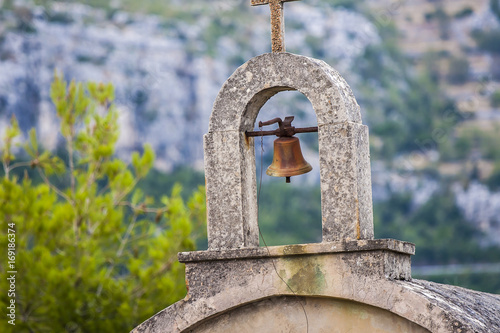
{"type": "Point", "coordinates": [346, 198]}
{"type": "Point", "coordinates": [231, 203]}
{"type": "Point", "coordinates": [309, 269]}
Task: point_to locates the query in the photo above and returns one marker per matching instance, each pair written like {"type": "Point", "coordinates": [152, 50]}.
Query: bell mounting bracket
{"type": "Point", "coordinates": [285, 128]}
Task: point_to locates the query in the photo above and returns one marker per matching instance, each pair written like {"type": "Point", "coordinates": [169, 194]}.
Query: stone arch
{"type": "Point", "coordinates": [429, 310]}
{"type": "Point", "coordinates": [230, 161]}
{"type": "Point", "coordinates": [255, 82]}
{"type": "Point", "coordinates": [324, 314]}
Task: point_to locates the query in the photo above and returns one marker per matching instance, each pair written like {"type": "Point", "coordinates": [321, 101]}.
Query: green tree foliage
{"type": "Point", "coordinates": [289, 214]}
{"type": "Point", "coordinates": [493, 181]}
{"type": "Point", "coordinates": [464, 12]}
{"type": "Point", "coordinates": [443, 20]}
{"type": "Point", "coordinates": [458, 70]}
{"type": "Point", "coordinates": [495, 7]}
{"type": "Point", "coordinates": [441, 235]}
{"type": "Point", "coordinates": [488, 282]}
{"type": "Point", "coordinates": [487, 40]}
{"type": "Point", "coordinates": [472, 140]}
{"type": "Point", "coordinates": [92, 254]}
{"type": "Point", "coordinates": [438, 229]}
{"type": "Point", "coordinates": [406, 116]}
{"type": "Point", "coordinates": [495, 99]}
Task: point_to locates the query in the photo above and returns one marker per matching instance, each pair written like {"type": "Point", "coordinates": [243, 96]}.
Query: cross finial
{"type": "Point", "coordinates": [277, 22]}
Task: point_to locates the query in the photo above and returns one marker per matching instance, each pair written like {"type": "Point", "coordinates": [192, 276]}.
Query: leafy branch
{"type": "Point", "coordinates": [89, 238]}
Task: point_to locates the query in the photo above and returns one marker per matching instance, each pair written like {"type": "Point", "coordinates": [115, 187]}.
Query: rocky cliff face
{"type": "Point", "coordinates": [166, 73]}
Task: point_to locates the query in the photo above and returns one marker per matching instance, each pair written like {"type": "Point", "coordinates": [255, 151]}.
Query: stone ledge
{"type": "Point", "coordinates": [299, 249]}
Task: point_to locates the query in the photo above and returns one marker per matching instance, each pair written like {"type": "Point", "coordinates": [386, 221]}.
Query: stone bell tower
{"type": "Point", "coordinates": [346, 200]}
{"type": "Point", "coordinates": [350, 282]}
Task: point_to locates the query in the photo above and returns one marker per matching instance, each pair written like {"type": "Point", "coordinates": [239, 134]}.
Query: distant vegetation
{"type": "Point", "coordinates": [487, 40]}
{"type": "Point", "coordinates": [495, 7]}
{"type": "Point", "coordinates": [403, 117]}
{"type": "Point", "coordinates": [464, 12]}
{"type": "Point", "coordinates": [495, 99]}
{"type": "Point", "coordinates": [458, 70]}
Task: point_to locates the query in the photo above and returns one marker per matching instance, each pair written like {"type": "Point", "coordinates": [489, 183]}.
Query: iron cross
{"type": "Point", "coordinates": [277, 22]}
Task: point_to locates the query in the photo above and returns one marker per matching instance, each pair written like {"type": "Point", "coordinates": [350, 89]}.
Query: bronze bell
{"type": "Point", "coordinates": [288, 160]}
